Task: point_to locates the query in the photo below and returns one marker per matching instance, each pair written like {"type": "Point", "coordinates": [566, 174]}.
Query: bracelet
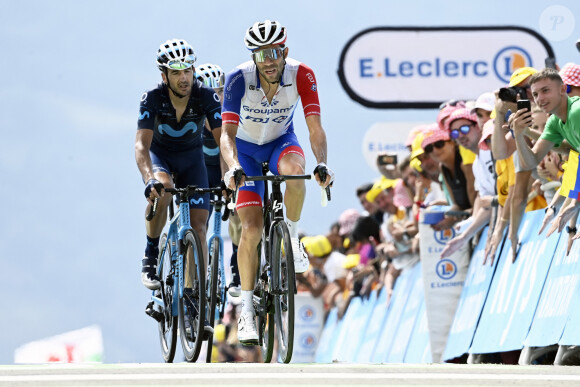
{"type": "Point", "coordinates": [550, 207]}
{"type": "Point", "coordinates": [504, 220]}
{"type": "Point", "coordinates": [571, 230]}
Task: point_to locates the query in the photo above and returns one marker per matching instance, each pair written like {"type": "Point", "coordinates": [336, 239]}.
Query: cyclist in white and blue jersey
{"type": "Point", "coordinates": [260, 99]}
{"type": "Point", "coordinates": [169, 140]}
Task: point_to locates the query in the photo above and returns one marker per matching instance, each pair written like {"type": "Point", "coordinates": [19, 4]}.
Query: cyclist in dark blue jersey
{"type": "Point", "coordinates": [169, 141]}
{"type": "Point", "coordinates": [213, 76]}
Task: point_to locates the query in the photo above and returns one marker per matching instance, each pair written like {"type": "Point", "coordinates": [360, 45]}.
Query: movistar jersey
{"type": "Point", "coordinates": [157, 113]}
{"type": "Point", "coordinates": [246, 105]}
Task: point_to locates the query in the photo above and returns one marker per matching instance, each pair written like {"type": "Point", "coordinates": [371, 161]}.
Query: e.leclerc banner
{"type": "Point", "coordinates": [419, 67]}
{"type": "Point", "coordinates": [471, 302]}
{"type": "Point", "coordinates": [515, 289]}
{"type": "Point", "coordinates": [562, 286]}
{"type": "Point", "coordinates": [443, 283]}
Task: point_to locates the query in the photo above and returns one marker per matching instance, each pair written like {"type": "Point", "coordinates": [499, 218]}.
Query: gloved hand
{"type": "Point", "coordinates": [153, 184]}
{"type": "Point", "coordinates": [323, 171]}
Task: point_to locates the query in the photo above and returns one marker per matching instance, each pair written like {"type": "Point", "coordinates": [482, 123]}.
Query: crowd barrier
{"type": "Point", "coordinates": [531, 304]}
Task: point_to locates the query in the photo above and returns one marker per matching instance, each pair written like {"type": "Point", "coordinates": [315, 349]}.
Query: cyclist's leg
{"type": "Point", "coordinates": [288, 159]}
{"type": "Point", "coordinates": [249, 207]}
{"type": "Point", "coordinates": [154, 227]}
{"type": "Point", "coordinates": [235, 230]}
{"type": "Point", "coordinates": [193, 172]}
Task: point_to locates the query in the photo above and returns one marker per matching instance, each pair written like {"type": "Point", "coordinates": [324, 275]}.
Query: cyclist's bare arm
{"type": "Point", "coordinates": [229, 150]}
{"type": "Point", "coordinates": [143, 141]}
{"type": "Point", "coordinates": [317, 142]}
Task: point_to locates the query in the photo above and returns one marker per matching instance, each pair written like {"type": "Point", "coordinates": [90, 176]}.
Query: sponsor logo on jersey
{"type": "Point", "coordinates": [194, 201]}
{"type": "Point", "coordinates": [144, 115]}
{"type": "Point", "coordinates": [167, 129]}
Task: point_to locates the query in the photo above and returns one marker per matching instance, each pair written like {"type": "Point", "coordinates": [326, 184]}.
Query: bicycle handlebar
{"type": "Point", "coordinates": [278, 178]}
{"type": "Point", "coordinates": [191, 189]}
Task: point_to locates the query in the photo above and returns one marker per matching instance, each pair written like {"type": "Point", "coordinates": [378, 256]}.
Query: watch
{"type": "Point", "coordinates": [571, 230]}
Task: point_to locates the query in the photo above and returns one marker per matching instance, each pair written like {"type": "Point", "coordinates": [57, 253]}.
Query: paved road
{"type": "Point", "coordinates": [286, 375]}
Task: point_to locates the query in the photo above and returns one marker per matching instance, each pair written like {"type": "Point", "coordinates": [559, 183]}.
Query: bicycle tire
{"type": "Point", "coordinates": [212, 289]}
{"type": "Point", "coordinates": [168, 326]}
{"type": "Point", "coordinates": [266, 329]}
{"type": "Point", "coordinates": [191, 341]}
{"type": "Point", "coordinates": [283, 284]}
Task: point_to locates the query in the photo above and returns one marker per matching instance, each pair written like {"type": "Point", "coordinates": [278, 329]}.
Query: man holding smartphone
{"type": "Point", "coordinates": [549, 92]}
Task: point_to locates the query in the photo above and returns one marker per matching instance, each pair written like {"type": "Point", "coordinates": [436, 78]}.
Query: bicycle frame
{"type": "Point", "coordinates": [217, 233]}
{"type": "Point", "coordinates": [179, 224]}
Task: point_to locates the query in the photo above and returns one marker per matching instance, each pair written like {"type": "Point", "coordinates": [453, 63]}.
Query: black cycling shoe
{"type": "Point", "coordinates": [149, 276]}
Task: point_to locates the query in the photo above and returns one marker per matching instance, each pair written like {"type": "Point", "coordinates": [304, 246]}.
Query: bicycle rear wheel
{"type": "Point", "coordinates": [283, 287]}
{"type": "Point", "coordinates": [168, 324]}
{"type": "Point", "coordinates": [192, 305]}
{"type": "Point", "coordinates": [212, 290]}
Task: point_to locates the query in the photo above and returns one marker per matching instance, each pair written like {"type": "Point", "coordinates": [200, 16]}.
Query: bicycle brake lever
{"type": "Point", "coordinates": [152, 210]}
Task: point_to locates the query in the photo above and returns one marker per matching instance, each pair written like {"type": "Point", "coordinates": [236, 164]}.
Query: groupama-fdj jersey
{"type": "Point", "coordinates": [177, 145]}
{"type": "Point", "coordinates": [265, 130]}
{"type": "Point", "coordinates": [246, 105]}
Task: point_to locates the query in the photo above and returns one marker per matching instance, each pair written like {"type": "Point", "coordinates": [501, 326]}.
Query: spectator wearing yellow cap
{"type": "Point", "coordinates": [371, 208]}
{"type": "Point", "coordinates": [331, 264]}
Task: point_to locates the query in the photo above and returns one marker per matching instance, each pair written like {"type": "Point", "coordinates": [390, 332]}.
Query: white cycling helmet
{"type": "Point", "coordinates": [210, 75]}
{"type": "Point", "coordinates": [264, 34]}
{"type": "Point", "coordinates": [175, 54]}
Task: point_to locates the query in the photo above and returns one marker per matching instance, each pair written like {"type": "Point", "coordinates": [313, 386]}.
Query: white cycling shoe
{"type": "Point", "coordinates": [301, 261]}
{"type": "Point", "coordinates": [247, 332]}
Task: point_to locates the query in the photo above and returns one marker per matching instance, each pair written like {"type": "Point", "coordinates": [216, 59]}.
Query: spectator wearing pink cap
{"type": "Point", "coordinates": [463, 127]}
{"type": "Point", "coordinates": [570, 74]}
{"type": "Point", "coordinates": [457, 178]}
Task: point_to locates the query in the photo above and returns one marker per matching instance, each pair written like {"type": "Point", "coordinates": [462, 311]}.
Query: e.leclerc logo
{"type": "Point", "coordinates": [504, 63]}
{"type": "Point", "coordinates": [446, 269]}
{"type": "Point", "coordinates": [508, 60]}
{"type": "Point", "coordinates": [306, 313]}
{"type": "Point", "coordinates": [444, 236]}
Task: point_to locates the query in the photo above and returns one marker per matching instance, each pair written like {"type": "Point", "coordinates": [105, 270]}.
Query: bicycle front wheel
{"type": "Point", "coordinates": [168, 324]}
{"type": "Point", "coordinates": [212, 289]}
{"type": "Point", "coordinates": [284, 285]}
{"type": "Point", "coordinates": [192, 305]}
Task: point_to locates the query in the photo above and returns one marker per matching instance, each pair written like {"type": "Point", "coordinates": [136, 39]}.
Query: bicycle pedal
{"type": "Point", "coordinates": [149, 311]}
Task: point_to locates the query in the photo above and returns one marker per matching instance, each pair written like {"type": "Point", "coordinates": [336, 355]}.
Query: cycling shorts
{"type": "Point", "coordinates": [251, 157]}
{"type": "Point", "coordinates": [189, 167]}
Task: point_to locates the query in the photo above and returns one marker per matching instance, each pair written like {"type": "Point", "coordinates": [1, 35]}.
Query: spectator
{"type": "Point", "coordinates": [549, 93]}
{"type": "Point", "coordinates": [371, 208]}
{"type": "Point", "coordinates": [570, 74]}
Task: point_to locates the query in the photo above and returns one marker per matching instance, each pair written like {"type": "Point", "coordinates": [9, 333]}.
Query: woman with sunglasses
{"type": "Point", "coordinates": [260, 99]}
{"type": "Point", "coordinates": [456, 177]}
{"type": "Point", "coordinates": [169, 141]}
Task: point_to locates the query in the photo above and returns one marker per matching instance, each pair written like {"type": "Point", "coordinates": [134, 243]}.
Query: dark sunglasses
{"type": "Point", "coordinates": [437, 144]}
{"type": "Point", "coordinates": [463, 129]}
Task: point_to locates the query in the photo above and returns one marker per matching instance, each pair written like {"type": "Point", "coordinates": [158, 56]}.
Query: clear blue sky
{"type": "Point", "coordinates": [72, 231]}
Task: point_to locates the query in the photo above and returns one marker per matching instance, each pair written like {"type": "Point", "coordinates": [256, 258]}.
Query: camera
{"type": "Point", "coordinates": [387, 159]}
{"type": "Point", "coordinates": [509, 94]}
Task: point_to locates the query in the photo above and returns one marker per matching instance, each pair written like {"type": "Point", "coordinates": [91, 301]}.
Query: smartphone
{"type": "Point", "coordinates": [524, 104]}
{"type": "Point", "coordinates": [387, 159]}
{"type": "Point", "coordinates": [550, 62]}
